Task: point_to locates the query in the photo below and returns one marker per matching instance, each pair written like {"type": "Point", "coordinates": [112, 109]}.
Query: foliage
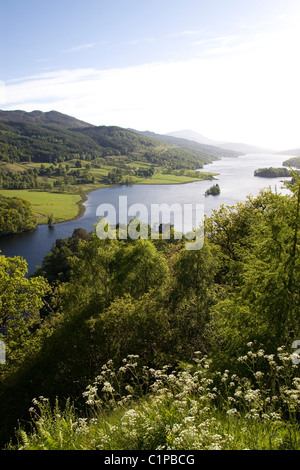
{"type": "Point", "coordinates": [117, 297]}
{"type": "Point", "coordinates": [56, 266]}
{"type": "Point", "coordinates": [45, 143]}
{"type": "Point", "coordinates": [264, 302]}
{"type": "Point", "coordinates": [21, 300]}
{"type": "Point", "coordinates": [15, 216]}
{"type": "Point", "coordinates": [272, 172]}
{"type": "Point", "coordinates": [134, 407]}
{"type": "Point", "coordinates": [213, 190]}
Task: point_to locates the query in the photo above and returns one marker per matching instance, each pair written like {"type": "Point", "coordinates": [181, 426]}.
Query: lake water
{"type": "Point", "coordinates": [236, 180]}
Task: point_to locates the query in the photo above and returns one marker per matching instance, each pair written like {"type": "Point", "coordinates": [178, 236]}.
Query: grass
{"type": "Point", "coordinates": [161, 178]}
{"type": "Point", "coordinates": [134, 407]}
{"type": "Point", "coordinates": [14, 167]}
{"type": "Point", "coordinates": [63, 206]}
{"type": "Point", "coordinates": [169, 178]}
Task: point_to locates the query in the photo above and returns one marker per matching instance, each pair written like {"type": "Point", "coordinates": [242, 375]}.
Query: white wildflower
{"type": "Point", "coordinates": [107, 387]}
{"type": "Point", "coordinates": [232, 412]}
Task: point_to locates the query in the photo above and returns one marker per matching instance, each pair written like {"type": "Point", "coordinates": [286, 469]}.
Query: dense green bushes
{"type": "Point", "coordinates": [272, 172]}
{"type": "Point", "coordinates": [15, 216]}
{"type": "Point", "coordinates": [213, 190]}
{"type": "Point", "coordinates": [160, 302]}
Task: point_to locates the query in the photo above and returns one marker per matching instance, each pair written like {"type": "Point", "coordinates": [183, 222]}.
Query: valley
{"type": "Point", "coordinates": [58, 156]}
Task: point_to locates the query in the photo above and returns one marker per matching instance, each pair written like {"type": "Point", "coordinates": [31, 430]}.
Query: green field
{"type": "Point", "coordinates": [65, 203]}
{"type": "Point", "coordinates": [67, 206]}
{"type": "Point", "coordinates": [63, 206]}
{"type": "Point", "coordinates": [169, 178]}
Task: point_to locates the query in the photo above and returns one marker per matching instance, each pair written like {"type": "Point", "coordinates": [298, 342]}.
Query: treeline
{"type": "Point", "coordinates": [44, 178]}
{"type": "Point", "coordinates": [15, 216]}
{"type": "Point", "coordinates": [95, 300]}
{"type": "Point", "coordinates": [20, 180]}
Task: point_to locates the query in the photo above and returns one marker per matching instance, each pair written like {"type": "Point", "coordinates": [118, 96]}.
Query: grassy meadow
{"type": "Point", "coordinates": [62, 206]}
{"type": "Point", "coordinates": [170, 178]}
{"type": "Point", "coordinates": [63, 202]}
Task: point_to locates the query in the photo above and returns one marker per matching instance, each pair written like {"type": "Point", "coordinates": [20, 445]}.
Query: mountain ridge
{"type": "Point", "coordinates": [184, 137]}
{"type": "Point", "coordinates": [190, 144]}
{"type": "Point", "coordinates": [187, 139]}
{"type": "Point", "coordinates": [40, 117]}
{"type": "Point", "coordinates": [233, 146]}
{"type": "Point", "coordinates": [52, 136]}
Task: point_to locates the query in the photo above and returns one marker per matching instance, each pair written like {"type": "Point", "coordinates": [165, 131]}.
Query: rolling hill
{"type": "Point", "coordinates": [47, 137]}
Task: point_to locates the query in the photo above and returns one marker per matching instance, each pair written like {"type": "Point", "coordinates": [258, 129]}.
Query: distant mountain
{"type": "Point", "coordinates": [245, 148]}
{"type": "Point", "coordinates": [190, 144]}
{"type": "Point", "coordinates": [233, 146]}
{"type": "Point", "coordinates": [293, 162]}
{"type": "Point", "coordinates": [39, 117]}
{"type": "Point", "coordinates": [194, 136]}
{"type": "Point", "coordinates": [293, 152]}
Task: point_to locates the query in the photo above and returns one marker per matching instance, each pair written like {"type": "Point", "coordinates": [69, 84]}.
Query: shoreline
{"type": "Point", "coordinates": [84, 195]}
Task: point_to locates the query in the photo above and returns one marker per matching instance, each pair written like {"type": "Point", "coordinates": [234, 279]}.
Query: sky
{"type": "Point", "coordinates": [227, 69]}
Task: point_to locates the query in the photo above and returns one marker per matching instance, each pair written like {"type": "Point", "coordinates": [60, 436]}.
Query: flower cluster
{"type": "Point", "coordinates": [193, 407]}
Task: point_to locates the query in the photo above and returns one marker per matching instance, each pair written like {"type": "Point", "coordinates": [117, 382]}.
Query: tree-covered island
{"type": "Point", "coordinates": [272, 172]}
{"type": "Point", "coordinates": [213, 190]}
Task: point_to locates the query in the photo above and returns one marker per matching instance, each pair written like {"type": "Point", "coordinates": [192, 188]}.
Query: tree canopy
{"type": "Point", "coordinates": [96, 300]}
{"type": "Point", "coordinates": [15, 216]}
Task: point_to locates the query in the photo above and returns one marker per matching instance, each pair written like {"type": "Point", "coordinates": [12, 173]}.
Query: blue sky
{"type": "Point", "coordinates": [225, 68]}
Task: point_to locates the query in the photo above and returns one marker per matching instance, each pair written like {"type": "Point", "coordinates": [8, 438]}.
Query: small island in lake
{"type": "Point", "coordinates": [213, 190]}
{"type": "Point", "coordinates": [272, 172]}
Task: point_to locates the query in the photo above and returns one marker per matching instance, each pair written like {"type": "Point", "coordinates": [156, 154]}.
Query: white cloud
{"type": "Point", "coordinates": [247, 91]}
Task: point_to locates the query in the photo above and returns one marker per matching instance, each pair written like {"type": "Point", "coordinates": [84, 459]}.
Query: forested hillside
{"type": "Point", "coordinates": [23, 139]}
{"type": "Point", "coordinates": [39, 117]}
{"type": "Point", "coordinates": [114, 325]}
{"type": "Point", "coordinates": [55, 152]}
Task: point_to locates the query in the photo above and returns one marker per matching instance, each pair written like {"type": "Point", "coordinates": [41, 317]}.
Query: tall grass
{"type": "Point", "coordinates": [134, 407]}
